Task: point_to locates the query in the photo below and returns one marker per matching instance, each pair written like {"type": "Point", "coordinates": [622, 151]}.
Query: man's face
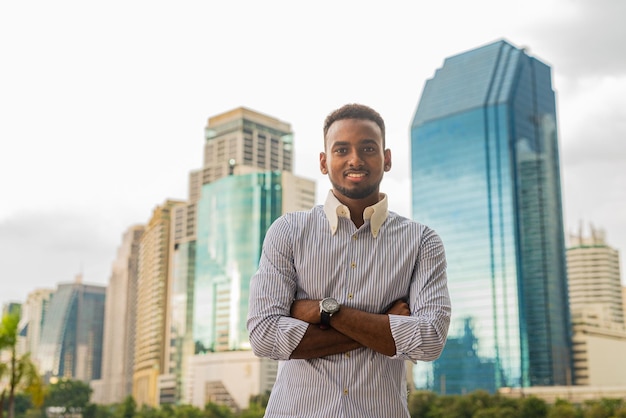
{"type": "Point", "coordinates": [355, 159]}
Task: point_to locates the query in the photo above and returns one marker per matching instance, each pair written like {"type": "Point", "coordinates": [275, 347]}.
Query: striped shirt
{"type": "Point", "coordinates": [321, 253]}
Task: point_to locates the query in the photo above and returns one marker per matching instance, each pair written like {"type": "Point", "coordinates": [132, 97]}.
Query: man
{"type": "Point", "coordinates": [348, 291]}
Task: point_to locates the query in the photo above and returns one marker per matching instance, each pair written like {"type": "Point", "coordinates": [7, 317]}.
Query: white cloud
{"type": "Point", "coordinates": [104, 105]}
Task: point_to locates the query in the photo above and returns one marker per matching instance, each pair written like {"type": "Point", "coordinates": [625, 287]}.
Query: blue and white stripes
{"type": "Point", "coordinates": [301, 259]}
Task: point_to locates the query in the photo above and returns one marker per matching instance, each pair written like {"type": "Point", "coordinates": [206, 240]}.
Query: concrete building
{"type": "Point", "coordinates": [31, 322]}
{"type": "Point", "coordinates": [229, 378]}
{"type": "Point", "coordinates": [593, 273]}
{"type": "Point", "coordinates": [152, 304]}
{"type": "Point", "coordinates": [573, 394]}
{"type": "Point", "coordinates": [597, 308]}
{"type": "Point", "coordinates": [120, 316]}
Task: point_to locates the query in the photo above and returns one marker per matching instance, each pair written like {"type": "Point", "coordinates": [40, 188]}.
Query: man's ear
{"type": "Point", "coordinates": [387, 160]}
{"type": "Point", "coordinates": [323, 167]}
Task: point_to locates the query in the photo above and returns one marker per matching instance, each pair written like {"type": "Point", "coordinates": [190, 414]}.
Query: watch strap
{"type": "Point", "coordinates": [325, 319]}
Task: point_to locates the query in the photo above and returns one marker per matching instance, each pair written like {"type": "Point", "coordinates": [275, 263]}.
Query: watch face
{"type": "Point", "coordinates": [330, 305]}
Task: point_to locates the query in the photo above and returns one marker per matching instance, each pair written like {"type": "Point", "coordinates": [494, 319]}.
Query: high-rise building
{"type": "Point", "coordinates": [245, 184]}
{"type": "Point", "coordinates": [597, 310]}
{"type": "Point", "coordinates": [31, 321]}
{"type": "Point", "coordinates": [485, 175]}
{"type": "Point", "coordinates": [120, 315]}
{"type": "Point", "coordinates": [71, 338]}
{"type": "Point", "coordinates": [180, 315]}
{"type": "Point", "coordinates": [235, 212]}
{"type": "Point", "coordinates": [152, 304]}
{"type": "Point", "coordinates": [593, 274]}
{"type": "Point", "coordinates": [246, 138]}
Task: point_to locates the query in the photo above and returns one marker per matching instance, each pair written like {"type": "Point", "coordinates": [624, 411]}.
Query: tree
{"type": "Point", "coordinates": [533, 407]}
{"type": "Point", "coordinates": [212, 410]}
{"type": "Point", "coordinates": [128, 408]}
{"type": "Point", "coordinates": [19, 370]}
{"type": "Point", "coordinates": [563, 409]}
{"type": "Point", "coordinates": [72, 395]}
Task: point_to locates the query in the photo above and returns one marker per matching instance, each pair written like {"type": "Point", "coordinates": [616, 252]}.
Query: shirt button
{"type": "Point", "coordinates": [345, 391]}
{"type": "Point", "coordinates": [353, 265]}
{"type": "Point", "coordinates": [350, 295]}
{"type": "Point", "coordinates": [348, 355]}
{"type": "Point", "coordinates": [354, 237]}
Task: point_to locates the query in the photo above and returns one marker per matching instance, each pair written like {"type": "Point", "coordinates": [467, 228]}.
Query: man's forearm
{"type": "Point", "coordinates": [368, 329]}
{"type": "Point", "coordinates": [317, 343]}
{"type": "Point", "coordinates": [351, 328]}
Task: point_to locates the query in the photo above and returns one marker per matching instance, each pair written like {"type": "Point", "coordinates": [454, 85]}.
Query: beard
{"type": "Point", "coordinates": [359, 193]}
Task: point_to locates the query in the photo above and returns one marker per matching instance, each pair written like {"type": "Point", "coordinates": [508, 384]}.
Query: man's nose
{"type": "Point", "coordinates": [355, 159]}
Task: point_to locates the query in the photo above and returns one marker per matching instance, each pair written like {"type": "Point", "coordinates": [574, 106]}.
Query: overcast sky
{"type": "Point", "coordinates": [103, 104]}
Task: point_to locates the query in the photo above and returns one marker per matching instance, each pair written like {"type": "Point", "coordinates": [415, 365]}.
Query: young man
{"type": "Point", "coordinates": [348, 291]}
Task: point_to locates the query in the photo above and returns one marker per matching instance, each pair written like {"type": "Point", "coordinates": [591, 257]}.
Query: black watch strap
{"type": "Point", "coordinates": [325, 318]}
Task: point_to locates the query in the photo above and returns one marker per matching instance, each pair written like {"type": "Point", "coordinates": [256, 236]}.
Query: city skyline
{"type": "Point", "coordinates": [105, 124]}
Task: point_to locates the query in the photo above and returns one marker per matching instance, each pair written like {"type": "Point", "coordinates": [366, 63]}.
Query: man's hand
{"type": "Point", "coordinates": [399, 307]}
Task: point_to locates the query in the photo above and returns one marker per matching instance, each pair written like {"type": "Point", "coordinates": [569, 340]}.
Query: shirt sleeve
{"type": "Point", "coordinates": [422, 335]}
{"type": "Point", "coordinates": [273, 332]}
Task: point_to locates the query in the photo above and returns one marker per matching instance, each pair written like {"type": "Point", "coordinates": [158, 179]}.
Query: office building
{"type": "Point", "coordinates": [597, 310]}
{"type": "Point", "coordinates": [70, 345]}
{"type": "Point", "coordinates": [486, 177]}
{"type": "Point", "coordinates": [180, 315]}
{"type": "Point", "coordinates": [31, 322]}
{"type": "Point", "coordinates": [120, 316]}
{"type": "Point", "coordinates": [234, 214]}
{"type": "Point", "coordinates": [152, 304]}
{"type": "Point", "coordinates": [245, 184]}
{"type": "Point", "coordinates": [245, 138]}
{"type": "Point", "coordinates": [593, 273]}
{"type": "Point", "coordinates": [230, 378]}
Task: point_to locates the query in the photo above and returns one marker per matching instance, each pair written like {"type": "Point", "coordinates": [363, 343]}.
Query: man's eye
{"type": "Point", "coordinates": [369, 149]}
{"type": "Point", "coordinates": [340, 151]}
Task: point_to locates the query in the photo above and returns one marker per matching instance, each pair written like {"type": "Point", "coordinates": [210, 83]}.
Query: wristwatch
{"type": "Point", "coordinates": [328, 307]}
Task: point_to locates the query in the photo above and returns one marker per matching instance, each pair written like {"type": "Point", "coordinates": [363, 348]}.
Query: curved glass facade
{"type": "Point", "coordinates": [71, 336]}
{"type": "Point", "coordinates": [485, 175]}
{"type": "Point", "coordinates": [234, 213]}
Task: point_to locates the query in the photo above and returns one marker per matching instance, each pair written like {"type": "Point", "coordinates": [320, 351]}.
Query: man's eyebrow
{"type": "Point", "coordinates": [362, 141]}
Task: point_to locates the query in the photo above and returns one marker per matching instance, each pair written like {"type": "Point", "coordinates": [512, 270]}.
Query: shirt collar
{"type": "Point", "coordinates": [376, 214]}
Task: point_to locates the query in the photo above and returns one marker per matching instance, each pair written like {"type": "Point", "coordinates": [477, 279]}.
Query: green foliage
{"type": "Point", "coordinates": [212, 410]}
{"type": "Point", "coordinates": [22, 404]}
{"type": "Point", "coordinates": [69, 394]}
{"type": "Point", "coordinates": [128, 408]}
{"type": "Point", "coordinates": [19, 371]}
{"type": "Point", "coordinates": [8, 331]}
{"type": "Point", "coordinates": [496, 412]}
{"type": "Point", "coordinates": [188, 411]}
{"type": "Point", "coordinates": [564, 409]}
{"type": "Point", "coordinates": [422, 404]}
{"type": "Point", "coordinates": [533, 407]}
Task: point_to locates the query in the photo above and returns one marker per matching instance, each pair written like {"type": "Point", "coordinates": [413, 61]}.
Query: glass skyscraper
{"type": "Point", "coordinates": [71, 335]}
{"type": "Point", "coordinates": [229, 244]}
{"type": "Point", "coordinates": [486, 176]}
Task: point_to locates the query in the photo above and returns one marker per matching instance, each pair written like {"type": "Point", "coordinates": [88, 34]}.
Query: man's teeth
{"type": "Point", "coordinates": [356, 174]}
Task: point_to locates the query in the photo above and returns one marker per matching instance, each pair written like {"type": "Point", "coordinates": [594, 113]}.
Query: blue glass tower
{"type": "Point", "coordinates": [72, 331]}
{"type": "Point", "coordinates": [485, 175]}
{"type": "Point", "coordinates": [237, 210]}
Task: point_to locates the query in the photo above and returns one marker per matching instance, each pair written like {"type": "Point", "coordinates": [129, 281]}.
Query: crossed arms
{"type": "Point", "coordinates": [350, 329]}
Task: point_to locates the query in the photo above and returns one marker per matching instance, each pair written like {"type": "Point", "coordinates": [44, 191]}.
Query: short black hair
{"type": "Point", "coordinates": [354, 111]}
